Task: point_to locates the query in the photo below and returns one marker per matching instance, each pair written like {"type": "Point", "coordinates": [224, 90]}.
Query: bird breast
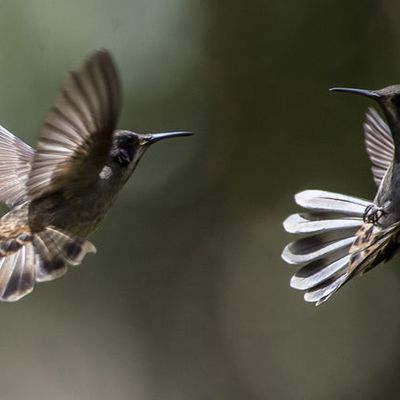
{"type": "Point", "coordinates": [77, 212]}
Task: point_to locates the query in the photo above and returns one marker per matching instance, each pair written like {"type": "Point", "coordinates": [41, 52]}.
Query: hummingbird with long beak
{"type": "Point", "coordinates": [59, 192]}
{"type": "Point", "coordinates": [344, 236]}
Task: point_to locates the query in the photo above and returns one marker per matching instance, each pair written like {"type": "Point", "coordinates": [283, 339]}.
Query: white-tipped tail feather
{"type": "Point", "coordinates": [330, 224]}
{"type": "Point", "coordinates": [44, 258]}
{"type": "Point", "coordinates": [17, 274]}
{"type": "Point", "coordinates": [57, 250]}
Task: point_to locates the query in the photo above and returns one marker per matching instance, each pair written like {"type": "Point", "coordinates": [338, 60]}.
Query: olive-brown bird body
{"type": "Point", "coordinates": [59, 192]}
{"type": "Point", "coordinates": [80, 211]}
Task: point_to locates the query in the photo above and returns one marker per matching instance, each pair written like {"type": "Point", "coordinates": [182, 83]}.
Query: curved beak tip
{"type": "Point", "coordinates": [362, 92]}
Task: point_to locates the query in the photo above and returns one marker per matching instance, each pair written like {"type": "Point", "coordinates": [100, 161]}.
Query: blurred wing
{"type": "Point", "coordinates": [77, 134]}
{"type": "Point", "coordinates": [15, 164]}
{"type": "Point", "coordinates": [379, 144]}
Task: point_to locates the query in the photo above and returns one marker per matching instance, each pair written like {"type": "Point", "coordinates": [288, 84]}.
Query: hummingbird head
{"type": "Point", "coordinates": [128, 147]}
{"type": "Point", "coordinates": [388, 98]}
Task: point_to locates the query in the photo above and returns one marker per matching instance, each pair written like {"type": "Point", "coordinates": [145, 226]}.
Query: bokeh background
{"type": "Point", "coordinates": [187, 297]}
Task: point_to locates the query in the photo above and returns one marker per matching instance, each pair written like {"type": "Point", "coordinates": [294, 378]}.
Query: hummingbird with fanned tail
{"type": "Point", "coordinates": [345, 236]}
{"type": "Point", "coordinates": [59, 192]}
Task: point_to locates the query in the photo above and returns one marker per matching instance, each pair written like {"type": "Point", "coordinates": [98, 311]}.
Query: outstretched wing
{"type": "Point", "coordinates": [379, 144]}
{"type": "Point", "coordinates": [15, 164]}
{"type": "Point", "coordinates": [77, 135]}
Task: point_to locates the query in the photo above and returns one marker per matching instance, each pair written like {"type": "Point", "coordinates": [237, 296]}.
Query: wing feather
{"type": "Point", "coordinates": [15, 164]}
{"type": "Point", "coordinates": [379, 144]}
{"type": "Point", "coordinates": [77, 135]}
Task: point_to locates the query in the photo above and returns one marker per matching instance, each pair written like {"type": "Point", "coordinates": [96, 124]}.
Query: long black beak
{"type": "Point", "coordinates": [155, 137]}
{"type": "Point", "coordinates": [369, 93]}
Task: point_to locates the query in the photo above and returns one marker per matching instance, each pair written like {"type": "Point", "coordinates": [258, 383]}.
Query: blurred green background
{"type": "Point", "coordinates": [187, 297]}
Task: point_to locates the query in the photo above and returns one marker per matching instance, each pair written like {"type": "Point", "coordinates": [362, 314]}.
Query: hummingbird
{"type": "Point", "coordinates": [59, 192]}
{"type": "Point", "coordinates": [345, 236]}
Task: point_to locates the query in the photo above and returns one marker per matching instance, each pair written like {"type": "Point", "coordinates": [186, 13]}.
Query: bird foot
{"type": "Point", "coordinates": [373, 214]}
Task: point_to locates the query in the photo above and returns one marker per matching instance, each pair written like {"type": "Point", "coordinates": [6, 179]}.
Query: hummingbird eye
{"type": "Point", "coordinates": [123, 149]}
{"type": "Point", "coordinates": [127, 140]}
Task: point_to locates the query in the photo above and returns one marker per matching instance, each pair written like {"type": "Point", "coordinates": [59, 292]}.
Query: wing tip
{"type": "Point", "coordinates": [99, 54]}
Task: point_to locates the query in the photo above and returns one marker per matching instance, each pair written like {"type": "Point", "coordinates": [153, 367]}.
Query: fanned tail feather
{"type": "Point", "coordinates": [17, 274]}
{"type": "Point", "coordinates": [57, 249]}
{"type": "Point", "coordinates": [44, 257]}
{"type": "Point", "coordinates": [330, 224]}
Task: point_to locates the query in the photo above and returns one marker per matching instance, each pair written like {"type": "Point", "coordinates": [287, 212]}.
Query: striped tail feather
{"type": "Point", "coordinates": [44, 258]}
{"type": "Point", "coordinates": [17, 273]}
{"type": "Point", "coordinates": [329, 225]}
{"type": "Point", "coordinates": [56, 250]}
